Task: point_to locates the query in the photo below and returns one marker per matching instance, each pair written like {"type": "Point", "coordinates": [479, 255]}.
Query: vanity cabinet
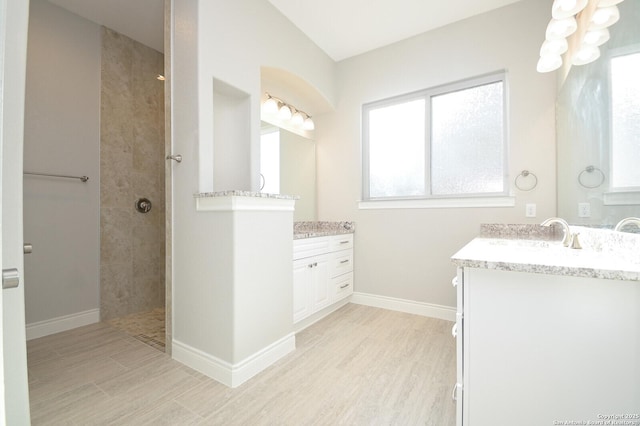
{"type": "Point", "coordinates": [541, 349]}
{"type": "Point", "coordinates": [322, 273]}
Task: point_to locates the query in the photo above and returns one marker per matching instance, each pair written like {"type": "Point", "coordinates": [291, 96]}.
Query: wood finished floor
{"type": "Point", "coordinates": [358, 366]}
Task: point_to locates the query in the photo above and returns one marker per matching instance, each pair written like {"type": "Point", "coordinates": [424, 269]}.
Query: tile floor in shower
{"type": "Point", "coordinates": [148, 327]}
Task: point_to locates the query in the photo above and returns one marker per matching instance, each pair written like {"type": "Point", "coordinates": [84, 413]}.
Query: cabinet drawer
{"type": "Point", "coordinates": [341, 242]}
{"type": "Point", "coordinates": [307, 247]}
{"type": "Point", "coordinates": [340, 263]}
{"type": "Point", "coordinates": [342, 286]}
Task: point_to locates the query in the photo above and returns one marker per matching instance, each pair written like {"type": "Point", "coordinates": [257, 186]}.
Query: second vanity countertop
{"type": "Point", "coordinates": [605, 254]}
{"type": "Point", "coordinates": [321, 229]}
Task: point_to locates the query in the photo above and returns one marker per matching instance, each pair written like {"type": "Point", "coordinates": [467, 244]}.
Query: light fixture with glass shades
{"type": "Point", "coordinates": [285, 112]}
{"type": "Point", "coordinates": [577, 28]}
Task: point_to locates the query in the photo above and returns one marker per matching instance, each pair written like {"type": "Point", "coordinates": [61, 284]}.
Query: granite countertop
{"type": "Point", "coordinates": [240, 193]}
{"type": "Point", "coordinates": [321, 229]}
{"type": "Point", "coordinates": [532, 248]}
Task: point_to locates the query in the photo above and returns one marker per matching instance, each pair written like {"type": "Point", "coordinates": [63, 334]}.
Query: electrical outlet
{"type": "Point", "coordinates": [584, 210]}
{"type": "Point", "coordinates": [530, 210]}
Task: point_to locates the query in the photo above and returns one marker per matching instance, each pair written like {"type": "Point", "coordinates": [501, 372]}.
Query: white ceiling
{"type": "Point", "coordinates": [342, 28]}
{"type": "Point", "coordinates": [345, 28]}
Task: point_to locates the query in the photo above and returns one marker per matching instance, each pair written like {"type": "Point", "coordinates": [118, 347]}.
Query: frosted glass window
{"type": "Point", "coordinates": [447, 141]}
{"type": "Point", "coordinates": [396, 150]}
{"type": "Point", "coordinates": [467, 141]}
{"type": "Point", "coordinates": [625, 122]}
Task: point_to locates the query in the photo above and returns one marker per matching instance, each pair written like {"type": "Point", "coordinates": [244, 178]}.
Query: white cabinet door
{"type": "Point", "coordinates": [301, 289]}
{"type": "Point", "coordinates": [310, 286]}
{"type": "Point", "coordinates": [322, 273]}
{"type": "Point", "coordinates": [319, 282]}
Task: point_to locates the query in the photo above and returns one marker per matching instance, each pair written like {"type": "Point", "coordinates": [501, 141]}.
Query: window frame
{"type": "Point", "coordinates": [633, 49]}
{"type": "Point", "coordinates": [427, 94]}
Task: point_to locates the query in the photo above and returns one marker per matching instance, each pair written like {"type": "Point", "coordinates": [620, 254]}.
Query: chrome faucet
{"type": "Point", "coordinates": [627, 221]}
{"type": "Point", "coordinates": [565, 227]}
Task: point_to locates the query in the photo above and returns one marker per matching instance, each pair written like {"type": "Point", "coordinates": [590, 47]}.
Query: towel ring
{"type": "Point", "coordinates": [525, 174]}
{"type": "Point", "coordinates": [591, 169]}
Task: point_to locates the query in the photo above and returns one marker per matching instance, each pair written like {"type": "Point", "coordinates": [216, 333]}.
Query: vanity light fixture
{"type": "Point", "coordinates": [561, 28]}
{"type": "Point", "coordinates": [270, 106]}
{"type": "Point", "coordinates": [554, 47]}
{"type": "Point", "coordinates": [596, 37]}
{"type": "Point", "coordinates": [308, 124]}
{"type": "Point", "coordinates": [285, 112]}
{"type": "Point", "coordinates": [297, 119]}
{"type": "Point", "coordinates": [604, 17]}
{"type": "Point", "coordinates": [585, 54]}
{"type": "Point", "coordinates": [549, 63]}
{"type": "Point", "coordinates": [585, 40]}
{"type": "Point", "coordinates": [567, 8]}
{"type": "Point", "coordinates": [606, 3]}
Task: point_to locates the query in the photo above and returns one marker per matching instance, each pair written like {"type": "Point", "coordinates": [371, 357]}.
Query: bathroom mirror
{"type": "Point", "coordinates": [288, 166]}
{"type": "Point", "coordinates": [598, 130]}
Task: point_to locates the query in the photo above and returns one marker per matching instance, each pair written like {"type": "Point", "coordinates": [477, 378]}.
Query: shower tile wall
{"type": "Point", "coordinates": [132, 246]}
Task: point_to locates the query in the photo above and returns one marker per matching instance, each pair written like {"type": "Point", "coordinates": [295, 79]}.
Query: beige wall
{"type": "Point", "coordinates": [404, 253]}
{"type": "Point", "coordinates": [132, 248]}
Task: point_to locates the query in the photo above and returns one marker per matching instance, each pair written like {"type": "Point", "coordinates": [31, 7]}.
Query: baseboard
{"type": "Point", "coordinates": [64, 323]}
{"type": "Point", "coordinates": [233, 375]}
{"type": "Point", "coordinates": [402, 305]}
{"type": "Point", "coordinates": [314, 318]}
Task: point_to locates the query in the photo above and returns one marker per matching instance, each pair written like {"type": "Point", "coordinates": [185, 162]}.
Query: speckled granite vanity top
{"type": "Point", "coordinates": [537, 249]}
{"type": "Point", "coordinates": [239, 193]}
{"type": "Point", "coordinates": [321, 229]}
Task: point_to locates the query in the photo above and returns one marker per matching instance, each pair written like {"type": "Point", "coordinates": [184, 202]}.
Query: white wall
{"type": "Point", "coordinates": [224, 42]}
{"type": "Point", "coordinates": [61, 217]}
{"type": "Point", "coordinates": [404, 253]}
{"type": "Point", "coordinates": [234, 40]}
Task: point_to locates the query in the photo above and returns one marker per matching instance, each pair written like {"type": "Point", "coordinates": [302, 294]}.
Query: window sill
{"type": "Point", "coordinates": [621, 198]}
{"type": "Point", "coordinates": [439, 203]}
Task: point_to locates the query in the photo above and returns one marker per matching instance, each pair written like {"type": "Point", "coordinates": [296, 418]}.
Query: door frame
{"type": "Point", "coordinates": [14, 404]}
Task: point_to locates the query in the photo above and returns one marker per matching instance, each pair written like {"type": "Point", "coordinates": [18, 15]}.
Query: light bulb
{"type": "Point", "coordinates": [566, 8]}
{"type": "Point", "coordinates": [596, 37]}
{"type": "Point", "coordinates": [605, 3]}
{"type": "Point", "coordinates": [604, 17]}
{"type": "Point", "coordinates": [549, 63]}
{"type": "Point", "coordinates": [308, 124]}
{"type": "Point", "coordinates": [561, 28]}
{"type": "Point", "coordinates": [554, 47]}
{"type": "Point", "coordinates": [585, 55]}
{"type": "Point", "coordinates": [285, 112]}
{"type": "Point", "coordinates": [270, 106]}
{"type": "Point", "coordinates": [297, 119]}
